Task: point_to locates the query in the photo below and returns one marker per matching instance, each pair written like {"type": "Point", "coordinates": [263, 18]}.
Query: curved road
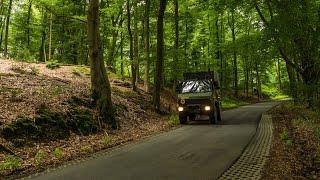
{"type": "Point", "coordinates": [196, 151]}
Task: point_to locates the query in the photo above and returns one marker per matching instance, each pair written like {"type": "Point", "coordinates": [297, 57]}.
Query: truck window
{"type": "Point", "coordinates": [196, 86]}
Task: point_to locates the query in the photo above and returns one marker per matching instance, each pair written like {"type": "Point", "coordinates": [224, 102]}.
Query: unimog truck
{"type": "Point", "coordinates": [198, 95]}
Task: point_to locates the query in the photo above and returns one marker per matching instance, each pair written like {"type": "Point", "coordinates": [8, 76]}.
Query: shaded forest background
{"type": "Point", "coordinates": [258, 47]}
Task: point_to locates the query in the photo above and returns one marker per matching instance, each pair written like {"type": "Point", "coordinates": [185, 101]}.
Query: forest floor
{"type": "Point", "coordinates": [295, 152]}
{"type": "Point", "coordinates": [26, 88]}
{"type": "Point", "coordinates": [46, 116]}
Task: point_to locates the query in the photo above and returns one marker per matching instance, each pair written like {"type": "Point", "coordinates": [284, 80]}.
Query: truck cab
{"type": "Point", "coordinates": [198, 95]}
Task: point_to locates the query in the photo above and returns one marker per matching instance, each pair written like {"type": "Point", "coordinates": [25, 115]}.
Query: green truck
{"type": "Point", "coordinates": [198, 95]}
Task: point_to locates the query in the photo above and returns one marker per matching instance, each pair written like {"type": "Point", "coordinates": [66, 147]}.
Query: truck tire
{"type": "Point", "coordinates": [218, 110]}
{"type": "Point", "coordinates": [213, 119]}
{"type": "Point", "coordinates": [183, 119]}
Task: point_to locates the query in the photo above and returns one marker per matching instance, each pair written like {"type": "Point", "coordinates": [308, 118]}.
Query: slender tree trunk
{"type": "Point", "coordinates": [101, 90]}
{"type": "Point", "coordinates": [136, 42]}
{"type": "Point", "coordinates": [160, 56]}
{"type": "Point", "coordinates": [50, 37]}
{"type": "Point", "coordinates": [7, 29]}
{"type": "Point", "coordinates": [147, 46]}
{"type": "Point", "coordinates": [28, 23]}
{"type": "Point", "coordinates": [235, 61]}
{"type": "Point", "coordinates": [43, 39]}
{"type": "Point", "coordinates": [133, 66]}
{"type": "Point", "coordinates": [121, 54]}
{"type": "Point", "coordinates": [279, 74]}
{"type": "Point", "coordinates": [176, 43]}
{"type": "Point", "coordinates": [2, 32]}
{"type": "Point", "coordinates": [222, 61]}
{"type": "Point", "coordinates": [186, 58]}
{"type": "Point", "coordinates": [258, 81]}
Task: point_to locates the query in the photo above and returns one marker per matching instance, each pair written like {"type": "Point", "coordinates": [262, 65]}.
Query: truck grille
{"type": "Point", "coordinates": [194, 108]}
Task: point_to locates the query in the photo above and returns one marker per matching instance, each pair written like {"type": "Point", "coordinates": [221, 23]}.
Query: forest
{"type": "Point", "coordinates": [252, 44]}
{"type": "Point", "coordinates": [267, 49]}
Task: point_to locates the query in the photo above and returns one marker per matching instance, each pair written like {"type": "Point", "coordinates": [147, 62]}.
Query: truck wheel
{"type": "Point", "coordinates": [218, 110]}
{"type": "Point", "coordinates": [213, 119]}
{"type": "Point", "coordinates": [183, 119]}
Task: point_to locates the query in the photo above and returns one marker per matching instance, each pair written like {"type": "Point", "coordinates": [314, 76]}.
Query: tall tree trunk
{"type": "Point", "coordinates": [160, 56]}
{"type": "Point", "coordinates": [101, 90]}
{"type": "Point", "coordinates": [258, 81]}
{"type": "Point", "coordinates": [186, 58]}
{"type": "Point", "coordinates": [2, 23]}
{"type": "Point", "coordinates": [136, 41]}
{"type": "Point", "coordinates": [133, 67]}
{"type": "Point", "coordinates": [147, 45]}
{"type": "Point", "coordinates": [293, 81]}
{"type": "Point", "coordinates": [279, 74]}
{"type": "Point", "coordinates": [50, 37]}
{"type": "Point", "coordinates": [28, 23]}
{"type": "Point", "coordinates": [235, 61]}
{"type": "Point", "coordinates": [43, 38]}
{"type": "Point", "coordinates": [121, 55]}
{"type": "Point", "coordinates": [2, 32]}
{"type": "Point", "coordinates": [222, 61]}
{"type": "Point", "coordinates": [176, 43]}
{"type": "Point", "coordinates": [7, 29]}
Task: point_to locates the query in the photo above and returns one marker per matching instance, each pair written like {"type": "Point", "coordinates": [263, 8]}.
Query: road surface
{"type": "Point", "coordinates": [195, 151]}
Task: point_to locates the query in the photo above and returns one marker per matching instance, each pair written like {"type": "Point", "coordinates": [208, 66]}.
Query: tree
{"type": "Point", "coordinates": [101, 90]}
{"type": "Point", "coordinates": [160, 55]}
{"type": "Point", "coordinates": [147, 45]}
{"type": "Point", "coordinates": [133, 64]}
{"type": "Point", "coordinates": [7, 29]}
{"type": "Point", "coordinates": [176, 41]}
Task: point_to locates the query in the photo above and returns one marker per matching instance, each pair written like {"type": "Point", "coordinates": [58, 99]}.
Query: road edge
{"type": "Point", "coordinates": [251, 162]}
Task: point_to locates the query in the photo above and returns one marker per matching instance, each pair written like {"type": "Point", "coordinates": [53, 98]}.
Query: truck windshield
{"type": "Point", "coordinates": [196, 86]}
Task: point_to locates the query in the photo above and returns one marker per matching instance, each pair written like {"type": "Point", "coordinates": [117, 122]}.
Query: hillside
{"type": "Point", "coordinates": [46, 116]}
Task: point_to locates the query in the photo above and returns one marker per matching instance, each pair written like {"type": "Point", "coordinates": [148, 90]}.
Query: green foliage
{"type": "Point", "coordinates": [106, 140]}
{"type": "Point", "coordinates": [34, 70]}
{"type": "Point", "coordinates": [40, 156]}
{"type": "Point", "coordinates": [81, 70]}
{"type": "Point", "coordinates": [86, 149]}
{"type": "Point", "coordinates": [284, 136]}
{"type": "Point", "coordinates": [174, 120]}
{"type": "Point", "coordinates": [10, 163]}
{"type": "Point", "coordinates": [58, 153]}
{"type": "Point", "coordinates": [53, 64]}
{"type": "Point", "coordinates": [270, 91]}
{"type": "Point", "coordinates": [317, 132]}
{"type": "Point", "coordinates": [231, 103]}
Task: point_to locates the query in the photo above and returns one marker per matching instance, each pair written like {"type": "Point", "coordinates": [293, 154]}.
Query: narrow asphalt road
{"type": "Point", "coordinates": [195, 151]}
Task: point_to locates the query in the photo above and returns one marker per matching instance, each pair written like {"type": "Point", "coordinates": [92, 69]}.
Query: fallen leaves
{"type": "Point", "coordinates": [53, 88]}
{"type": "Point", "coordinates": [299, 160]}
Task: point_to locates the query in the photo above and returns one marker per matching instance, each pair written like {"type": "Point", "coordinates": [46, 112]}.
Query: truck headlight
{"type": "Point", "coordinates": [207, 108]}
{"type": "Point", "coordinates": [180, 109]}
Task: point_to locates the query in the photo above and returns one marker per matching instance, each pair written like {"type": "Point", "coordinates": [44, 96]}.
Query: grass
{"type": "Point", "coordinates": [231, 103]}
{"type": "Point", "coordinates": [58, 153]}
{"type": "Point", "coordinates": [81, 70]}
{"type": "Point", "coordinates": [10, 163]}
{"type": "Point", "coordinates": [174, 120]}
{"type": "Point", "coordinates": [53, 64]}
